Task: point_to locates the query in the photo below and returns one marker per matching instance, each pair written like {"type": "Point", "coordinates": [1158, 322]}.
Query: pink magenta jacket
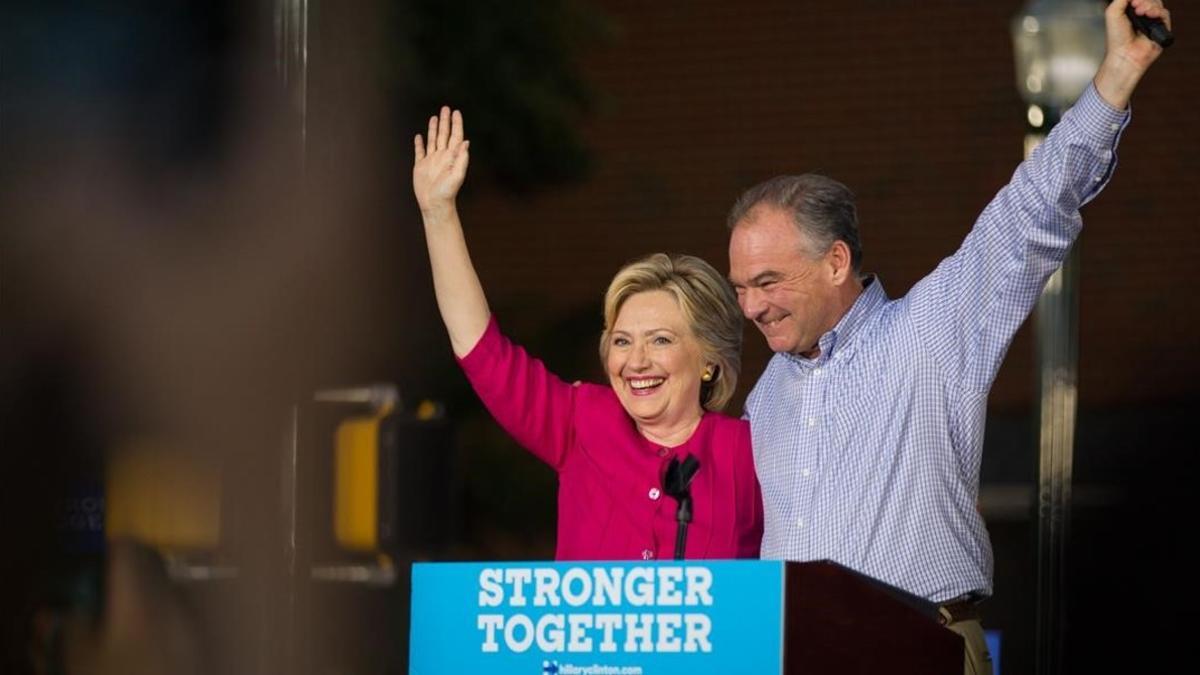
{"type": "Point", "coordinates": [610, 500]}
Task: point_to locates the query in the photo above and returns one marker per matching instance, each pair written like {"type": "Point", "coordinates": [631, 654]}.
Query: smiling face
{"type": "Point", "coordinates": [789, 292]}
{"type": "Point", "coordinates": [654, 362]}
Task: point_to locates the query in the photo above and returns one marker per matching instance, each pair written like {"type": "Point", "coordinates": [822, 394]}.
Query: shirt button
{"type": "Point", "coordinates": [654, 493]}
{"type": "Point", "coordinates": [799, 522]}
{"type": "Point", "coordinates": [1114, 126]}
{"type": "Point", "coordinates": [647, 554]}
{"type": "Point", "coordinates": [805, 473]}
{"type": "Point", "coordinates": [1108, 154]}
{"type": "Point", "coordinates": [663, 452]}
{"type": "Point", "coordinates": [816, 371]}
{"type": "Point", "coordinates": [812, 421]}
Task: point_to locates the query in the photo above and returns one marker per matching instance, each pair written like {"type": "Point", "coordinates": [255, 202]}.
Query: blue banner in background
{"type": "Point", "coordinates": [546, 618]}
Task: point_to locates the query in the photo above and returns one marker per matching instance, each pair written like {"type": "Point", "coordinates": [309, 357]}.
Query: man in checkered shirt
{"type": "Point", "coordinates": [868, 422]}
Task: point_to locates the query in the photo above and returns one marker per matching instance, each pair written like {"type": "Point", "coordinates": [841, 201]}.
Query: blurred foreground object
{"type": "Point", "coordinates": [145, 626]}
{"type": "Point", "coordinates": [163, 498]}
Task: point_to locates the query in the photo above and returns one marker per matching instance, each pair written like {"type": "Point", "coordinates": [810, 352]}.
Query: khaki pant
{"type": "Point", "coordinates": [976, 658]}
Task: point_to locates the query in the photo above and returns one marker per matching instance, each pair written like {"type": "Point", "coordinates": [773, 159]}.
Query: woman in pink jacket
{"type": "Point", "coordinates": [671, 348]}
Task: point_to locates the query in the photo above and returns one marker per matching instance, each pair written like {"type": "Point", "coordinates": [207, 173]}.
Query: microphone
{"type": "Point", "coordinates": [1154, 29]}
{"type": "Point", "coordinates": [675, 483]}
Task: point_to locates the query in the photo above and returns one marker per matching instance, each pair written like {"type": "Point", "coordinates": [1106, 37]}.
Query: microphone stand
{"type": "Point", "coordinates": [676, 483]}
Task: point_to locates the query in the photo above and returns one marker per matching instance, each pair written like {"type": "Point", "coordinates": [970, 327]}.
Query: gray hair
{"type": "Point", "coordinates": [822, 208]}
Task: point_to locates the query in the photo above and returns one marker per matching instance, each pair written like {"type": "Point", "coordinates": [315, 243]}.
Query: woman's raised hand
{"type": "Point", "coordinates": [438, 171]}
{"type": "Point", "coordinates": [440, 162]}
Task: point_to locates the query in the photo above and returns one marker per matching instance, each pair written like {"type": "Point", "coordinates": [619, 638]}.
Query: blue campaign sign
{"type": "Point", "coordinates": [593, 618]}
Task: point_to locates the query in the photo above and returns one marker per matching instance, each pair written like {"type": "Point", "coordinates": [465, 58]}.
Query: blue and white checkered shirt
{"type": "Point", "coordinates": [869, 454]}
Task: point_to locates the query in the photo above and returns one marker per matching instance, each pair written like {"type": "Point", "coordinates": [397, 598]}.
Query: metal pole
{"type": "Point", "coordinates": [292, 602]}
{"type": "Point", "coordinates": [291, 19]}
{"type": "Point", "coordinates": [291, 58]}
{"type": "Point", "coordinates": [1056, 329]}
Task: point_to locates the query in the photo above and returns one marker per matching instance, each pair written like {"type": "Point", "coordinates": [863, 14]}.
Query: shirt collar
{"type": "Point", "coordinates": [843, 334]}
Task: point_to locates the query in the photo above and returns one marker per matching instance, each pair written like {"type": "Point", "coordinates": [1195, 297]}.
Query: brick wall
{"type": "Point", "coordinates": [914, 106]}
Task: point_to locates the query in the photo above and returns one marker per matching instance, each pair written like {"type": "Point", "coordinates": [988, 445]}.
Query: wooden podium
{"type": "Point", "coordinates": [837, 621]}
{"type": "Point", "coordinates": [599, 618]}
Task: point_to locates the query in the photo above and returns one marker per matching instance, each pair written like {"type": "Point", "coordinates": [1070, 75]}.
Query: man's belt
{"type": "Point", "coordinates": [958, 610]}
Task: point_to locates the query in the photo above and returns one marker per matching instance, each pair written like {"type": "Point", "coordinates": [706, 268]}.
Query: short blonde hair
{"type": "Point", "coordinates": [708, 304]}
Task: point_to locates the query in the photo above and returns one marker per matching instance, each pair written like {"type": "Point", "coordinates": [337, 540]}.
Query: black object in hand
{"type": "Point", "coordinates": [1154, 29]}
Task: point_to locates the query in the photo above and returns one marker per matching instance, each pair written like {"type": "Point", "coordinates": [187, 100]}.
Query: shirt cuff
{"type": "Point", "coordinates": [1097, 125]}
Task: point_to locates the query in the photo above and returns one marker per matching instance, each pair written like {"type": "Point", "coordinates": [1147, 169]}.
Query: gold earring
{"type": "Point", "coordinates": [707, 376]}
